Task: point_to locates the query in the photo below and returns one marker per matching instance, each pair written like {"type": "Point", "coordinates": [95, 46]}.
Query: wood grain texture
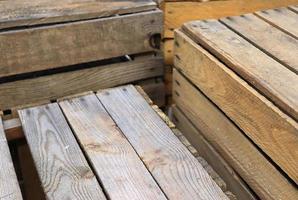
{"type": "Point", "coordinates": [177, 172]}
{"type": "Point", "coordinates": [120, 170]}
{"type": "Point", "coordinates": [273, 131]}
{"type": "Point", "coordinates": [60, 163]}
{"type": "Point", "coordinates": [63, 84]}
{"type": "Point", "coordinates": [271, 78]}
{"type": "Point", "coordinates": [9, 186]}
{"type": "Point", "coordinates": [265, 180]}
{"type": "Point", "coordinates": [282, 18]}
{"type": "Point", "coordinates": [35, 12]}
{"type": "Point", "coordinates": [41, 48]}
{"type": "Point", "coordinates": [234, 182]}
{"type": "Point", "coordinates": [269, 39]}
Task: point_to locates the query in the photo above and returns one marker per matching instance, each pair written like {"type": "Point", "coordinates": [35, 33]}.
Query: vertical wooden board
{"type": "Point", "coordinates": [273, 131]}
{"type": "Point", "coordinates": [282, 18]}
{"type": "Point", "coordinates": [177, 172]}
{"type": "Point", "coordinates": [271, 78]}
{"type": "Point", "coordinates": [60, 163]}
{"type": "Point", "coordinates": [265, 180]}
{"type": "Point", "coordinates": [269, 39]}
{"type": "Point", "coordinates": [9, 186]}
{"type": "Point", "coordinates": [120, 170]}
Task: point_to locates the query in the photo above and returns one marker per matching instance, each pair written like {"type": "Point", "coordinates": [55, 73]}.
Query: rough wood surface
{"type": "Point", "coordinates": [13, 129]}
{"type": "Point", "coordinates": [273, 131]}
{"type": "Point", "coordinates": [9, 186]}
{"type": "Point", "coordinates": [265, 180]}
{"type": "Point", "coordinates": [63, 84]}
{"type": "Point", "coordinates": [174, 168]}
{"type": "Point", "coordinates": [35, 12]}
{"type": "Point", "coordinates": [120, 170]}
{"type": "Point", "coordinates": [36, 49]}
{"type": "Point", "coordinates": [269, 39]}
{"type": "Point", "coordinates": [271, 78]}
{"type": "Point", "coordinates": [155, 89]}
{"type": "Point", "coordinates": [61, 165]}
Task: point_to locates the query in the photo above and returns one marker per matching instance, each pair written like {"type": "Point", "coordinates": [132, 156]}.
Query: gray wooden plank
{"type": "Point", "coordinates": [60, 163]}
{"type": "Point", "coordinates": [9, 186]}
{"type": "Point", "coordinates": [120, 170]}
{"type": "Point", "coordinates": [177, 172]}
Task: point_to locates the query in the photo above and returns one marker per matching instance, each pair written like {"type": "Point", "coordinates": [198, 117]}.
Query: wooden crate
{"type": "Point", "coordinates": [50, 49]}
{"type": "Point", "coordinates": [118, 131]}
{"type": "Point", "coordinates": [236, 81]}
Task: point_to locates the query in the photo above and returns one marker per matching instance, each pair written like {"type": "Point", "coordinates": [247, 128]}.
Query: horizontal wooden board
{"type": "Point", "coordinates": [55, 86]}
{"type": "Point", "coordinates": [273, 131]}
{"type": "Point", "coordinates": [35, 12]}
{"type": "Point", "coordinates": [265, 180]}
{"type": "Point", "coordinates": [174, 168]}
{"type": "Point", "coordinates": [40, 48]}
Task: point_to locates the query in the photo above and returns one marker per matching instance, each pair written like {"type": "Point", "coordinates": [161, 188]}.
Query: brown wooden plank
{"type": "Point", "coordinates": [13, 129]}
{"type": "Point", "coordinates": [36, 12]}
{"type": "Point", "coordinates": [9, 186]}
{"type": "Point", "coordinates": [283, 18]}
{"type": "Point", "coordinates": [177, 172]}
{"type": "Point", "coordinates": [63, 84]}
{"type": "Point", "coordinates": [60, 163]}
{"type": "Point", "coordinates": [36, 49]}
{"type": "Point", "coordinates": [271, 78]}
{"type": "Point", "coordinates": [269, 39]}
{"type": "Point", "coordinates": [273, 131]}
{"type": "Point", "coordinates": [265, 180]}
{"type": "Point", "coordinates": [120, 170]}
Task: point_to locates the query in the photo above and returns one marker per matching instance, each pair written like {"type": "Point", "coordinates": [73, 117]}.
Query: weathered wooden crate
{"type": "Point", "coordinates": [50, 49]}
{"type": "Point", "coordinates": [113, 144]}
{"type": "Point", "coordinates": [236, 81]}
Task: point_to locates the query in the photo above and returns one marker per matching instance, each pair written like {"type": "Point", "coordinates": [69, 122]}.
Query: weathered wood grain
{"type": "Point", "coordinates": [60, 163]}
{"type": "Point", "coordinates": [272, 130]}
{"type": "Point", "coordinates": [265, 180]}
{"type": "Point", "coordinates": [177, 172]}
{"type": "Point", "coordinates": [41, 48]}
{"type": "Point", "coordinates": [120, 170]}
{"type": "Point", "coordinates": [271, 78]}
{"type": "Point", "coordinates": [55, 86]}
{"type": "Point", "coordinates": [35, 12]}
{"type": "Point", "coordinates": [282, 18]}
{"type": "Point", "coordinates": [9, 186]}
{"type": "Point", "coordinates": [269, 39]}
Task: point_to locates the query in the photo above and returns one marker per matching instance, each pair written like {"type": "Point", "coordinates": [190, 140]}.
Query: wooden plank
{"type": "Point", "coordinates": [37, 12]}
{"type": "Point", "coordinates": [41, 48]}
{"type": "Point", "coordinates": [63, 84]}
{"type": "Point", "coordinates": [9, 186]}
{"type": "Point", "coordinates": [177, 13]}
{"type": "Point", "coordinates": [282, 18]}
{"type": "Point", "coordinates": [265, 180]}
{"type": "Point", "coordinates": [273, 131]}
{"type": "Point", "coordinates": [269, 39]}
{"type": "Point", "coordinates": [62, 168]}
{"type": "Point", "coordinates": [206, 150]}
{"type": "Point", "coordinates": [177, 172]}
{"type": "Point", "coordinates": [294, 8]}
{"type": "Point", "coordinates": [271, 78]}
{"type": "Point", "coordinates": [110, 154]}
{"type": "Point", "coordinates": [13, 129]}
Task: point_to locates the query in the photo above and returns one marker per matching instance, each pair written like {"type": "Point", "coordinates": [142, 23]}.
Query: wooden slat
{"type": "Point", "coordinates": [110, 154]}
{"type": "Point", "coordinates": [206, 150]}
{"type": "Point", "coordinates": [269, 39]}
{"type": "Point", "coordinates": [283, 18]}
{"type": "Point", "coordinates": [294, 8]}
{"type": "Point", "coordinates": [63, 84]}
{"type": "Point", "coordinates": [36, 49]}
{"type": "Point", "coordinates": [9, 186]}
{"type": "Point", "coordinates": [60, 163]}
{"type": "Point", "coordinates": [265, 180]}
{"type": "Point", "coordinates": [267, 75]}
{"type": "Point", "coordinates": [177, 172]}
{"type": "Point", "coordinates": [273, 131]}
{"type": "Point", "coordinates": [36, 12]}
